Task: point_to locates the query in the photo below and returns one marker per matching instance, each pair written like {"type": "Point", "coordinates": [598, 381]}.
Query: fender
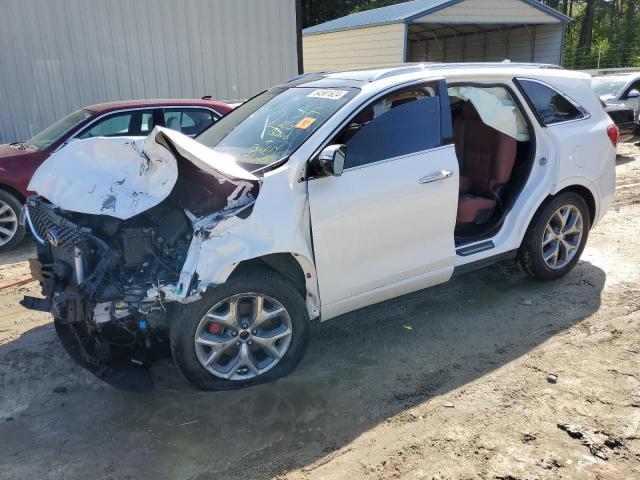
{"type": "Point", "coordinates": [306, 264]}
{"type": "Point", "coordinates": [557, 188]}
{"type": "Point", "coordinates": [278, 222]}
{"type": "Point", "coordinates": [585, 183]}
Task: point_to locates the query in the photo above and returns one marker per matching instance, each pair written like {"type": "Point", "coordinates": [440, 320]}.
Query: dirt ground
{"type": "Point", "coordinates": [472, 379]}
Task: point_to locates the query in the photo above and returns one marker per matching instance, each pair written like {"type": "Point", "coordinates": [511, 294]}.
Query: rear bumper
{"type": "Point", "coordinates": [606, 188]}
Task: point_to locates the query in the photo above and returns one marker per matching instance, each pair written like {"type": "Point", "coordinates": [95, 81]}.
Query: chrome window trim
{"type": "Point", "coordinates": [585, 113]}
{"type": "Point", "coordinates": [125, 110]}
{"type": "Point", "coordinates": [566, 122]}
{"type": "Point", "coordinates": [400, 157]}
{"type": "Point", "coordinates": [172, 107]}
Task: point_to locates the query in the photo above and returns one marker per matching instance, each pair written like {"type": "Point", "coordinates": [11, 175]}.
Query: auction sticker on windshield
{"type": "Point", "coordinates": [305, 123]}
{"type": "Point", "coordinates": [329, 94]}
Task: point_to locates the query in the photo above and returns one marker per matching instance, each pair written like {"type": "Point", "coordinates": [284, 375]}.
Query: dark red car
{"type": "Point", "coordinates": [19, 160]}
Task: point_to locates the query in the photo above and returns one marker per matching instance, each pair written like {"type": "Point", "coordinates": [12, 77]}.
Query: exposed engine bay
{"type": "Point", "coordinates": [110, 274]}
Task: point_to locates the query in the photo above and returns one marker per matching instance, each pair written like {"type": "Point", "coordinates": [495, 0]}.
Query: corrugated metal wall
{"type": "Point", "coordinates": [508, 43]}
{"type": "Point", "coordinates": [59, 55]}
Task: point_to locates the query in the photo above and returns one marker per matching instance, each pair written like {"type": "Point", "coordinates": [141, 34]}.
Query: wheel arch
{"type": "Point", "coordinates": [577, 186]}
{"type": "Point", "coordinates": [296, 268]}
{"type": "Point", "coordinates": [12, 191]}
{"type": "Point", "coordinates": [13, 238]}
{"type": "Point", "coordinates": [588, 197]}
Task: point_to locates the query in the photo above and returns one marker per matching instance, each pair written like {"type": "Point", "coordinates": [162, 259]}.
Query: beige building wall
{"type": "Point", "coordinates": [360, 47]}
{"type": "Point", "coordinates": [489, 11]}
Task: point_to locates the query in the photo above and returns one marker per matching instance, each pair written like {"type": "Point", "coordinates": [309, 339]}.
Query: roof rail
{"type": "Point", "coordinates": [303, 75]}
{"type": "Point", "coordinates": [388, 71]}
{"type": "Point", "coordinates": [402, 70]}
{"type": "Point", "coordinates": [504, 63]}
{"type": "Point", "coordinates": [392, 71]}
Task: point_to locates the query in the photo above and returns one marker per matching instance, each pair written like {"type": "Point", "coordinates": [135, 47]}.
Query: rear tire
{"type": "Point", "coordinates": [556, 237]}
{"type": "Point", "coordinates": [211, 330]}
{"type": "Point", "coordinates": [11, 232]}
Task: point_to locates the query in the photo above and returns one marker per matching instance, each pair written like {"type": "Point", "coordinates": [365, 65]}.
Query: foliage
{"type": "Point", "coordinates": [606, 37]}
{"type": "Point", "coordinates": [604, 33]}
{"type": "Point", "coordinates": [320, 11]}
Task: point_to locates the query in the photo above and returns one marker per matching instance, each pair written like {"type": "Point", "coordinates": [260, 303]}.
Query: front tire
{"type": "Point", "coordinates": [253, 329]}
{"type": "Point", "coordinates": [11, 232]}
{"type": "Point", "coordinates": [556, 237]}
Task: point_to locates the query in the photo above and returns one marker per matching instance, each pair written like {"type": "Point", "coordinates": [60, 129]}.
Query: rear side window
{"type": "Point", "coordinates": [550, 105]}
{"type": "Point", "coordinates": [400, 124]}
{"type": "Point", "coordinates": [189, 121]}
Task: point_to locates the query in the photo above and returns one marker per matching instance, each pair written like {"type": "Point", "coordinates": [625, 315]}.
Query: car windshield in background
{"type": "Point", "coordinates": [273, 125]}
{"type": "Point", "coordinates": [607, 86]}
{"type": "Point", "coordinates": [54, 132]}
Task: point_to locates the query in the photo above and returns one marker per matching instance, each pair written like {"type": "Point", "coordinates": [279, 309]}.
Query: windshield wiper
{"type": "Point", "coordinates": [272, 165]}
{"type": "Point", "coordinates": [18, 145]}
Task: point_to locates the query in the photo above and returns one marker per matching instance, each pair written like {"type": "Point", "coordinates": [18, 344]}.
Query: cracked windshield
{"type": "Point", "coordinates": [271, 126]}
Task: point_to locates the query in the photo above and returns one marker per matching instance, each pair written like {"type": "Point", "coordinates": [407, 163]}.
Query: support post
{"type": "Point", "coordinates": [442, 51]}
{"type": "Point", "coordinates": [532, 41]}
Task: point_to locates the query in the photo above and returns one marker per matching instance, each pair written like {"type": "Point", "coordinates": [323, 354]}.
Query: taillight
{"type": "Point", "coordinates": [614, 134]}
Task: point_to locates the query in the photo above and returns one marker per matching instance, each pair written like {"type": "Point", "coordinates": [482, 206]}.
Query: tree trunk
{"type": "Point", "coordinates": [586, 30]}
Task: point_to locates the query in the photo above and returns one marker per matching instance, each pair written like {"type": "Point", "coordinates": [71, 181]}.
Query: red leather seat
{"type": "Point", "coordinates": [486, 158]}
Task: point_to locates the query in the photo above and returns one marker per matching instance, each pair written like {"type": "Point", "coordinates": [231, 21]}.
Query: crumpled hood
{"type": "Point", "coordinates": [122, 177]}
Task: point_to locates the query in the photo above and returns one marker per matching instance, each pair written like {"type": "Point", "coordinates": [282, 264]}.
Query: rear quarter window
{"type": "Point", "coordinates": [550, 106]}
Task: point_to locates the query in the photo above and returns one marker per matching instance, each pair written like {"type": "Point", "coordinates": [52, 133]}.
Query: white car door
{"type": "Point", "coordinates": [385, 227]}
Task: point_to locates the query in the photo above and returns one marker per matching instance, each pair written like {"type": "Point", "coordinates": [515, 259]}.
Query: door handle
{"type": "Point", "coordinates": [434, 177]}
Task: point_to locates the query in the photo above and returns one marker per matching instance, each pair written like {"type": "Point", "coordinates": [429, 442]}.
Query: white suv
{"type": "Point", "coordinates": [315, 198]}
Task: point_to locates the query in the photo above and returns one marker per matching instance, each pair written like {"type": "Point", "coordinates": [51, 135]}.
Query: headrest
{"type": "Point", "coordinates": [364, 116]}
{"type": "Point", "coordinates": [469, 112]}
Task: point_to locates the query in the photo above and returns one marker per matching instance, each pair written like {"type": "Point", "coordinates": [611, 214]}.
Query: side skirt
{"type": "Point", "coordinates": [485, 262]}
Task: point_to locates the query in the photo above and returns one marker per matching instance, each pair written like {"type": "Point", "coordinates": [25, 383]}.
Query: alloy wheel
{"type": "Point", "coordinates": [243, 336]}
{"type": "Point", "coordinates": [562, 237]}
{"type": "Point", "coordinates": [8, 223]}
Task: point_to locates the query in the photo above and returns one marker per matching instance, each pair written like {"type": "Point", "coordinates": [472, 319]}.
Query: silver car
{"type": "Point", "coordinates": [619, 90]}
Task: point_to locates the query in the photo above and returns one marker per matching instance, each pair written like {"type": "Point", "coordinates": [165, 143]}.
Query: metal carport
{"type": "Point", "coordinates": [438, 31]}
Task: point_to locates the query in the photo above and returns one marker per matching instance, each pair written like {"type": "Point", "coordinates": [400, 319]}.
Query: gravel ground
{"type": "Point", "coordinates": [492, 375]}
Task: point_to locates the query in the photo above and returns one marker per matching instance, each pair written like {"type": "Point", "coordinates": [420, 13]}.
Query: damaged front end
{"type": "Point", "coordinates": [117, 234]}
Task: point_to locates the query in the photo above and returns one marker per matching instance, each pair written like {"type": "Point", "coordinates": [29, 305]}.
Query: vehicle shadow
{"type": "Point", "coordinates": [624, 159]}
{"type": "Point", "coordinates": [362, 369]}
{"type": "Point", "coordinates": [23, 252]}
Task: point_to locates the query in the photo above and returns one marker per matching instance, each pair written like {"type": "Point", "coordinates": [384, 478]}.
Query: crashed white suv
{"type": "Point", "coordinates": [315, 198]}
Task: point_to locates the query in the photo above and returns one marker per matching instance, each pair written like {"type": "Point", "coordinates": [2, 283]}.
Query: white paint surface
{"type": "Point", "coordinates": [377, 232]}
{"type": "Point", "coordinates": [106, 176]}
{"type": "Point", "coordinates": [378, 226]}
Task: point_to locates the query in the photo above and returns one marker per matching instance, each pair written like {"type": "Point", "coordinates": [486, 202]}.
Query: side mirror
{"type": "Point", "coordinates": [633, 94]}
{"type": "Point", "coordinates": [331, 160]}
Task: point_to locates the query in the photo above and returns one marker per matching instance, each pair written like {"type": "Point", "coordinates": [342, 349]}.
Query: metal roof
{"type": "Point", "coordinates": [405, 13]}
